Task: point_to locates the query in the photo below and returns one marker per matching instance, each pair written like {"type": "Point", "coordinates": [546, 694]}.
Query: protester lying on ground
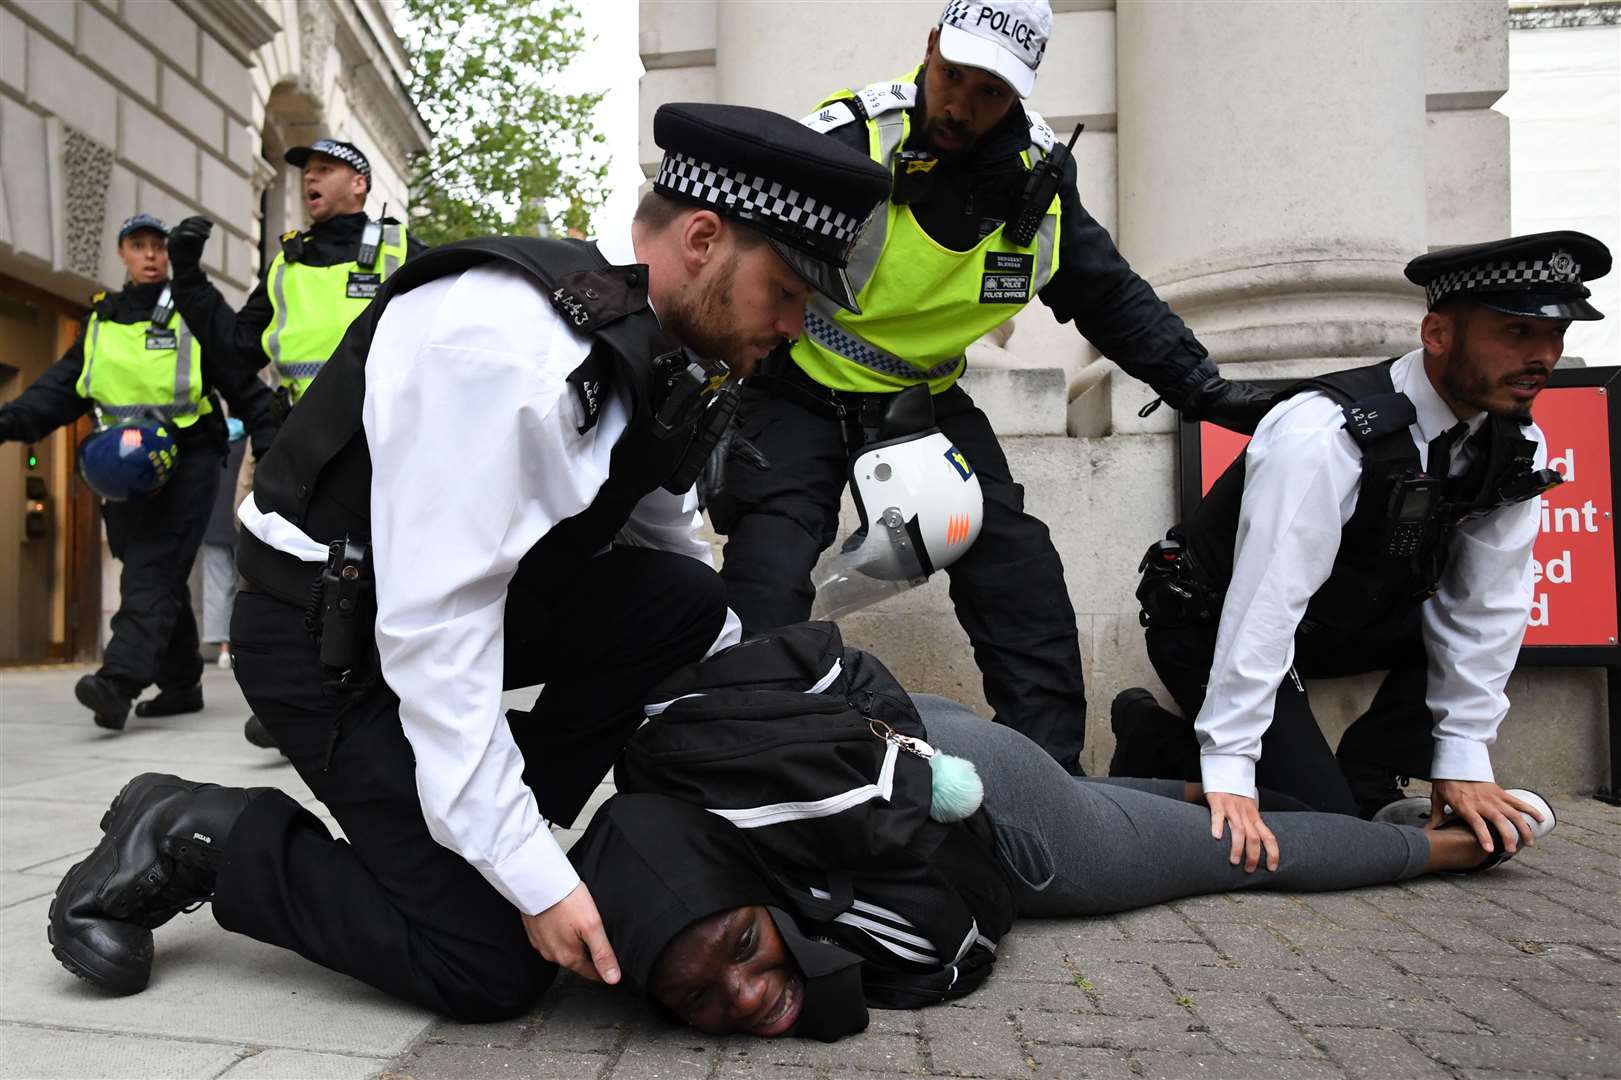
{"type": "Point", "coordinates": [794, 916]}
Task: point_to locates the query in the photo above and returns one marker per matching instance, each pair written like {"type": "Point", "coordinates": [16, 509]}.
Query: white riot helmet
{"type": "Point", "coordinates": [921, 509]}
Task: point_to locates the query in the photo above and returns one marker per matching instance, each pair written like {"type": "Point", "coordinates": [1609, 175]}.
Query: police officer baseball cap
{"type": "Point", "coordinates": [1004, 37]}
{"type": "Point", "coordinates": [807, 194]}
{"type": "Point", "coordinates": [348, 153]}
{"type": "Point", "coordinates": [1539, 275]}
{"type": "Point", "coordinates": [142, 221]}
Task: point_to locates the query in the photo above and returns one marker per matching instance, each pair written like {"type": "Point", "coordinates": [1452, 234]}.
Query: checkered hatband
{"type": "Point", "coordinates": [349, 157]}
{"type": "Point", "coordinates": [1558, 268]}
{"type": "Point", "coordinates": [777, 208]}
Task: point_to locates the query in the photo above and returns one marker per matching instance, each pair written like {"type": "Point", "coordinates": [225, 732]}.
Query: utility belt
{"type": "Point", "coordinates": [1173, 590]}
{"type": "Point", "coordinates": [339, 601]}
{"type": "Point", "coordinates": [859, 414]}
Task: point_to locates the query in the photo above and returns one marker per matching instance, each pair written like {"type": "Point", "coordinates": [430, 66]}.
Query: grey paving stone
{"type": "Point", "coordinates": [973, 1042]}
{"type": "Point", "coordinates": [1157, 1066]}
{"type": "Point", "coordinates": [1375, 1011]}
{"type": "Point", "coordinates": [1157, 924]}
{"type": "Point", "coordinates": [1548, 1055]}
{"type": "Point", "coordinates": [1349, 910]}
{"type": "Point", "coordinates": [869, 1051]}
{"type": "Point", "coordinates": [1196, 978]}
{"type": "Point", "coordinates": [1467, 965]}
{"type": "Point", "coordinates": [445, 1061]}
{"type": "Point", "coordinates": [1502, 1009]}
{"type": "Point", "coordinates": [1249, 1024]}
{"type": "Point", "coordinates": [1567, 995]}
{"type": "Point", "coordinates": [1073, 1062]}
{"type": "Point", "coordinates": [302, 1065]}
{"type": "Point", "coordinates": [1373, 1054]}
{"type": "Point", "coordinates": [1031, 961]}
{"type": "Point", "coordinates": [1178, 953]}
{"type": "Point", "coordinates": [749, 1069]}
{"type": "Point", "coordinates": [1256, 946]}
{"type": "Point", "coordinates": [43, 1054]}
{"type": "Point", "coordinates": [1184, 1034]}
{"type": "Point", "coordinates": [1036, 997]}
{"type": "Point", "coordinates": [656, 1063]}
{"type": "Point", "coordinates": [501, 1034]}
{"type": "Point", "coordinates": [581, 1018]}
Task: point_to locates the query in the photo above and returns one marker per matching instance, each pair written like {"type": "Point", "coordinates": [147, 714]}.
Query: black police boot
{"type": "Point", "coordinates": [106, 698]}
{"type": "Point", "coordinates": [256, 733]}
{"type": "Point", "coordinates": [1150, 741]}
{"type": "Point", "coordinates": [162, 843]}
{"type": "Point", "coordinates": [172, 702]}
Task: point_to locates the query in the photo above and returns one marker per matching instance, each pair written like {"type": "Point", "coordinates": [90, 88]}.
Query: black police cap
{"type": "Point", "coordinates": [142, 221]}
{"type": "Point", "coordinates": [346, 152]}
{"type": "Point", "coordinates": [809, 195]}
{"type": "Point", "coordinates": [1539, 275]}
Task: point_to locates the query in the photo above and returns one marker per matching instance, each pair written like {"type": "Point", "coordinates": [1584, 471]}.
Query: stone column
{"type": "Point", "coordinates": [1272, 176]}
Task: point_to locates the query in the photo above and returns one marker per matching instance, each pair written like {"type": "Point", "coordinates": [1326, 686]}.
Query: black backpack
{"type": "Point", "coordinates": [803, 745]}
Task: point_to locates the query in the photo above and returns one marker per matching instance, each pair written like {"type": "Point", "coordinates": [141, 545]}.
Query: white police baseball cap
{"type": "Point", "coordinates": [1004, 37]}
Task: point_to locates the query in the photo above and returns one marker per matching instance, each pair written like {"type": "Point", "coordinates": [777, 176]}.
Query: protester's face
{"type": "Point", "coordinates": [332, 187]}
{"type": "Point", "coordinates": [742, 303]}
{"type": "Point", "coordinates": [1492, 361]}
{"type": "Point", "coordinates": [730, 973]}
{"type": "Point", "coordinates": [145, 254]}
{"type": "Point", "coordinates": [962, 103]}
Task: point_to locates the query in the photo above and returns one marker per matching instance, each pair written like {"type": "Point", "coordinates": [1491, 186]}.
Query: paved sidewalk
{"type": "Point", "coordinates": [1512, 974]}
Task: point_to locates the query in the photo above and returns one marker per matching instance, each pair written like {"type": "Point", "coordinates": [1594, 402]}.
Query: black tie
{"type": "Point", "coordinates": [1440, 452]}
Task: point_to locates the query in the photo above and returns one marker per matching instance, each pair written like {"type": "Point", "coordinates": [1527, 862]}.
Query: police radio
{"type": "Point", "coordinates": [717, 417]}
{"type": "Point", "coordinates": [1413, 504]}
{"type": "Point", "coordinates": [688, 379]}
{"type": "Point", "coordinates": [164, 311]}
{"type": "Point", "coordinates": [371, 238]}
{"type": "Point", "coordinates": [1039, 190]}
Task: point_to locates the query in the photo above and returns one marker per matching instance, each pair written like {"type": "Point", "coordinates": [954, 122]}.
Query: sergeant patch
{"type": "Point", "coordinates": [1372, 418]}
{"type": "Point", "coordinates": [1007, 278]}
{"type": "Point", "coordinates": [362, 285]}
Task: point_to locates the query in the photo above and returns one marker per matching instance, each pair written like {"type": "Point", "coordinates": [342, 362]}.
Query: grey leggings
{"type": "Point", "coordinates": [1093, 846]}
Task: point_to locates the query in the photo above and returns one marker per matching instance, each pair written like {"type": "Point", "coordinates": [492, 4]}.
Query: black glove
{"type": "Point", "coordinates": [1237, 406]}
{"type": "Point", "coordinates": [186, 243]}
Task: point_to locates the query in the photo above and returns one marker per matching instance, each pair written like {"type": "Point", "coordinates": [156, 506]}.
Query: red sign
{"type": "Point", "coordinates": [1574, 598]}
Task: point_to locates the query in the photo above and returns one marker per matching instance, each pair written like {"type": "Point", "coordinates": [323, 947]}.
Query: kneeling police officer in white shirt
{"type": "Point", "coordinates": [486, 487]}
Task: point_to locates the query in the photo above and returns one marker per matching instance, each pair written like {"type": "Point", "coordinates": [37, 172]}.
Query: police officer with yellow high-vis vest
{"type": "Point", "coordinates": [984, 217]}
{"type": "Point", "coordinates": [139, 363]}
{"type": "Point", "coordinates": [319, 281]}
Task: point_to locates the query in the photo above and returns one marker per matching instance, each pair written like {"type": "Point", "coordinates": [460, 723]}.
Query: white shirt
{"type": "Point", "coordinates": [476, 454]}
{"type": "Point", "coordinates": [1302, 472]}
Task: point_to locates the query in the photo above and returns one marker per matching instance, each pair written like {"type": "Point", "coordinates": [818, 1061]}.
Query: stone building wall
{"type": "Point", "coordinates": [1269, 168]}
{"type": "Point", "coordinates": [180, 107]}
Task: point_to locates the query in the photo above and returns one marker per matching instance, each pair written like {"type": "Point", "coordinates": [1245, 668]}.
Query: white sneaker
{"type": "Point", "coordinates": [225, 660]}
{"type": "Point", "coordinates": [1539, 829]}
{"type": "Point", "coordinates": [1413, 811]}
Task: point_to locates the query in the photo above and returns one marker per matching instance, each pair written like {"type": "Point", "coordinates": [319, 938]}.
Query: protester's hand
{"type": "Point", "coordinates": [1251, 837]}
{"type": "Point", "coordinates": [1480, 804]}
{"type": "Point", "coordinates": [186, 242]}
{"type": "Point", "coordinates": [570, 934]}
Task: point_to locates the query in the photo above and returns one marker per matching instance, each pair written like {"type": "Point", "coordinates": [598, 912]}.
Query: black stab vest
{"type": "Point", "coordinates": [1368, 587]}
{"type": "Point", "coordinates": [318, 472]}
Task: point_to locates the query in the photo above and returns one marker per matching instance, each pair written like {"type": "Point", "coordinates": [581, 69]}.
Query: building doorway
{"type": "Point", "coordinates": [50, 524]}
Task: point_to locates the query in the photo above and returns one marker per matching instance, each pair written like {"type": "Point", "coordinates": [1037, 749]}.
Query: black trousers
{"type": "Point", "coordinates": [1008, 591]}
{"type": "Point", "coordinates": [154, 633]}
{"type": "Point", "coordinates": [1392, 738]}
{"type": "Point", "coordinates": [388, 904]}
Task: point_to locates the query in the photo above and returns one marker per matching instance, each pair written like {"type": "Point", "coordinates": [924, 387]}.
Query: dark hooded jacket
{"type": "Point", "coordinates": [655, 866]}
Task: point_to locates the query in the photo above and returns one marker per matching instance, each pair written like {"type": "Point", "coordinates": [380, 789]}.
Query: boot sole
{"type": "Point", "coordinates": [86, 963]}
{"type": "Point", "coordinates": [150, 714]}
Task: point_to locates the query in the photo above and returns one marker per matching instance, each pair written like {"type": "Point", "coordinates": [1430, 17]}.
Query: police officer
{"type": "Point", "coordinates": [1383, 519]}
{"type": "Point", "coordinates": [933, 274]}
{"type": "Point", "coordinates": [504, 411]}
{"type": "Point", "coordinates": [136, 358]}
{"type": "Point", "coordinates": [312, 290]}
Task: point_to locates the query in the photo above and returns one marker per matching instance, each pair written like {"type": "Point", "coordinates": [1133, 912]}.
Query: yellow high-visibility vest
{"type": "Point", "coordinates": [133, 368]}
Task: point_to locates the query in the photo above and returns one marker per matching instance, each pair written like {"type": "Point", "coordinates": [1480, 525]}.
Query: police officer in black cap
{"type": "Point", "coordinates": [489, 487]}
{"type": "Point", "coordinates": [1383, 519]}
{"type": "Point", "coordinates": [315, 286]}
{"type": "Point", "coordinates": [139, 360]}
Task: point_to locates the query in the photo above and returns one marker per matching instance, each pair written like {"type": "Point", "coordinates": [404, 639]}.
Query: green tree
{"type": "Point", "coordinates": [511, 153]}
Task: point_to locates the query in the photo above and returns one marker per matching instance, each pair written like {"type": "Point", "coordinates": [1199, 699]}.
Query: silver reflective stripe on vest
{"type": "Point", "coordinates": [1046, 244]}
{"type": "Point", "coordinates": [299, 369]}
{"type": "Point", "coordinates": [820, 328]}
{"type": "Point", "coordinates": [391, 255]}
{"type": "Point", "coordinates": [90, 357]}
{"type": "Point", "coordinates": [280, 294]}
